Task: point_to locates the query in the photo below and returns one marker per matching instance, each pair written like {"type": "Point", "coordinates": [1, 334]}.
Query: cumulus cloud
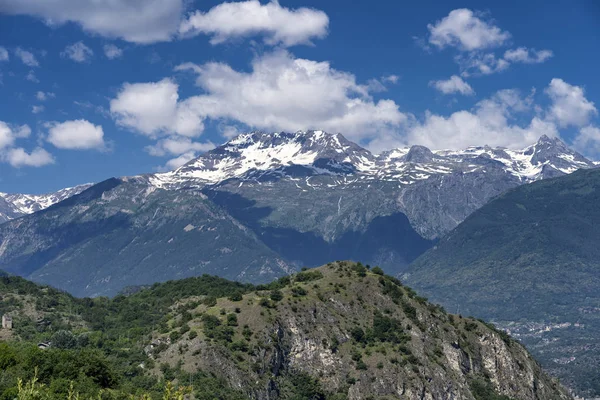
{"type": "Point", "coordinates": [569, 107]}
{"type": "Point", "coordinates": [279, 25]}
{"type": "Point", "coordinates": [177, 162]}
{"type": "Point", "coordinates": [154, 109]}
{"type": "Point", "coordinates": [78, 52]}
{"type": "Point", "coordinates": [76, 135]}
{"type": "Point", "coordinates": [527, 56]}
{"type": "Point", "coordinates": [4, 54]}
{"type": "Point", "coordinates": [18, 157]}
{"type": "Point", "coordinates": [588, 141]}
{"type": "Point", "coordinates": [453, 85]}
{"type": "Point", "coordinates": [137, 21]}
{"type": "Point", "coordinates": [473, 36]}
{"type": "Point", "coordinates": [111, 51]}
{"type": "Point", "coordinates": [286, 93]}
{"type": "Point", "coordinates": [177, 146]}
{"type": "Point", "coordinates": [467, 31]}
{"type": "Point", "coordinates": [9, 133]}
{"type": "Point", "coordinates": [26, 57]}
{"type": "Point", "coordinates": [492, 121]}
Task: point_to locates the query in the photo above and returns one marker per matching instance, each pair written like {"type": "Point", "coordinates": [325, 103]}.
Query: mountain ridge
{"type": "Point", "coordinates": [528, 260]}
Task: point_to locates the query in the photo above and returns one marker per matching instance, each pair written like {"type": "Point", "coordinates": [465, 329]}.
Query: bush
{"type": "Point", "coordinates": [378, 271]}
{"type": "Point", "coordinates": [299, 291]}
{"type": "Point", "coordinates": [306, 276]}
{"type": "Point", "coordinates": [236, 297]}
{"type": "Point", "coordinates": [276, 295]}
{"type": "Point", "coordinates": [232, 320]}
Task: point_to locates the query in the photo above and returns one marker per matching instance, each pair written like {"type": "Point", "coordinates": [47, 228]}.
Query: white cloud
{"type": "Point", "coordinates": [43, 96]}
{"type": "Point", "coordinates": [391, 78]}
{"type": "Point", "coordinates": [111, 51]}
{"type": "Point", "coordinates": [177, 146]}
{"type": "Point", "coordinates": [31, 77]}
{"type": "Point", "coordinates": [76, 135]}
{"type": "Point", "coordinates": [27, 57]}
{"type": "Point", "coordinates": [464, 29]}
{"type": "Point", "coordinates": [10, 133]}
{"type": "Point", "coordinates": [153, 109]}
{"type": "Point", "coordinates": [569, 104]}
{"type": "Point", "coordinates": [477, 63]}
{"type": "Point", "coordinates": [4, 54]}
{"type": "Point", "coordinates": [527, 56]}
{"type": "Point", "coordinates": [178, 161]}
{"type": "Point", "coordinates": [492, 122]}
{"type": "Point", "coordinates": [588, 141]}
{"type": "Point", "coordinates": [279, 25]}
{"type": "Point", "coordinates": [18, 157]}
{"type": "Point", "coordinates": [453, 85]}
{"type": "Point", "coordinates": [37, 109]}
{"type": "Point", "coordinates": [78, 52]}
{"type": "Point", "coordinates": [285, 93]}
{"type": "Point", "coordinates": [137, 21]}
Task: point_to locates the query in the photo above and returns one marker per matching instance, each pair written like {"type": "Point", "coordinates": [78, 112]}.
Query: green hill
{"type": "Point", "coordinates": [530, 260]}
{"type": "Point", "coordinates": [337, 332]}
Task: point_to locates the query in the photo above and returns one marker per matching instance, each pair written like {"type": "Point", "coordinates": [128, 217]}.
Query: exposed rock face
{"type": "Point", "coordinates": [264, 204]}
{"type": "Point", "coordinates": [359, 335]}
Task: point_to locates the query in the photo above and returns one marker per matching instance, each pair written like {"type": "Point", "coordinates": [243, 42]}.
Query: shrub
{"type": "Point", "coordinates": [377, 270]}
{"type": "Point", "coordinates": [299, 291]}
{"type": "Point", "coordinates": [276, 295]}
{"type": "Point", "coordinates": [307, 275]}
{"type": "Point", "coordinates": [236, 297]}
{"type": "Point", "coordinates": [232, 320]}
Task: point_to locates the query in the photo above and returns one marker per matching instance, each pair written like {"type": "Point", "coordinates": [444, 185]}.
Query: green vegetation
{"type": "Point", "coordinates": [225, 340]}
{"type": "Point", "coordinates": [529, 260]}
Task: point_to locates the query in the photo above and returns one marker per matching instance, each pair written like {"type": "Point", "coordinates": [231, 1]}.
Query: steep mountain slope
{"type": "Point", "coordinates": [349, 333]}
{"type": "Point", "coordinates": [436, 190]}
{"type": "Point", "coordinates": [16, 205]}
{"type": "Point", "coordinates": [278, 200]}
{"type": "Point", "coordinates": [336, 332]}
{"type": "Point", "coordinates": [120, 233]}
{"type": "Point", "coordinates": [530, 260]}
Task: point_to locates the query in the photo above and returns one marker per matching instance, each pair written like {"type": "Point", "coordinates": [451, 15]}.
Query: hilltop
{"type": "Point", "coordinates": [341, 331]}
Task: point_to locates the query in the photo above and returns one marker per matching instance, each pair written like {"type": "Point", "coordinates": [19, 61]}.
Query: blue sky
{"type": "Point", "coordinates": [91, 89]}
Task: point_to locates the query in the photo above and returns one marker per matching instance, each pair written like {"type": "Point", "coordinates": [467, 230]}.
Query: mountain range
{"type": "Point", "coordinates": [265, 204]}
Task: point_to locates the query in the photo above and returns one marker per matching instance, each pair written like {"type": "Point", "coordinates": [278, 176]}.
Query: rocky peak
{"type": "Point", "coordinates": [556, 157]}
{"type": "Point", "coordinates": [419, 154]}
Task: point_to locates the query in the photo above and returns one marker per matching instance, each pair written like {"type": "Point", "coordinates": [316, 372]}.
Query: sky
{"type": "Point", "coordinates": [93, 89]}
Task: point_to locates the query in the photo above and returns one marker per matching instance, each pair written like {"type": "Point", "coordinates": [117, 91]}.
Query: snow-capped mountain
{"type": "Point", "coordinates": [15, 205]}
{"type": "Point", "coordinates": [256, 155]}
{"type": "Point", "coordinates": [263, 204]}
